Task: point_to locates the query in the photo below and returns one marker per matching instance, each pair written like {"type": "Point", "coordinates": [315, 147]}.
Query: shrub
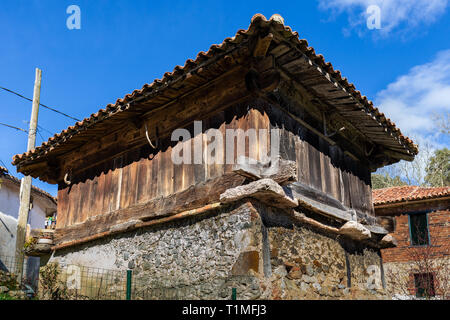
{"type": "Point", "coordinates": [50, 285]}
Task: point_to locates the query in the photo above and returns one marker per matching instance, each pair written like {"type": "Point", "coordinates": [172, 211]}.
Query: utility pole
{"type": "Point", "coordinates": [25, 185]}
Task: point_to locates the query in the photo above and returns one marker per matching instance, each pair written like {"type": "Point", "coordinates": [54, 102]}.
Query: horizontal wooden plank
{"type": "Point", "coordinates": [134, 224]}
{"type": "Point", "coordinates": [196, 196]}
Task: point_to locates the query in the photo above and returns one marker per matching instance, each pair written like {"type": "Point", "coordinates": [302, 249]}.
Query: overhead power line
{"type": "Point", "coordinates": [43, 105]}
{"type": "Point", "coordinates": [7, 125]}
{"type": "Point", "coordinates": [4, 165]}
{"type": "Point", "coordinates": [39, 132]}
{"type": "Point", "coordinates": [42, 128]}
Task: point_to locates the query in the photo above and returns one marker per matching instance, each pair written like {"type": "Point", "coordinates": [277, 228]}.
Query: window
{"type": "Point", "coordinates": [424, 283]}
{"type": "Point", "coordinates": [418, 227]}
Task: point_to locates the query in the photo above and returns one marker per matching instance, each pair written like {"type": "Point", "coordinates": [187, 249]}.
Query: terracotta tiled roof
{"type": "Point", "coordinates": [181, 73]}
{"type": "Point", "coordinates": [407, 193]}
{"type": "Point", "coordinates": [5, 174]}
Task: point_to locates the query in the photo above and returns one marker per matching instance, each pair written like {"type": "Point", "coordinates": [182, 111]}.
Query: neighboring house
{"type": "Point", "coordinates": [299, 220]}
{"type": "Point", "coordinates": [420, 264]}
{"type": "Point", "coordinates": [42, 205]}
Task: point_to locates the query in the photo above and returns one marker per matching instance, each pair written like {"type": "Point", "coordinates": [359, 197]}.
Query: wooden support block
{"type": "Point", "coordinates": [265, 190]}
{"type": "Point", "coordinates": [355, 230]}
{"type": "Point", "coordinates": [280, 170]}
{"type": "Point", "coordinates": [388, 241]}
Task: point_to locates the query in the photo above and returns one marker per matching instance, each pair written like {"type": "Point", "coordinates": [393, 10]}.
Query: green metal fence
{"type": "Point", "coordinates": [10, 281]}
{"type": "Point", "coordinates": [75, 282]}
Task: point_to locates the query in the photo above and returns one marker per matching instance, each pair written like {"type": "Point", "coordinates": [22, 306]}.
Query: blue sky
{"type": "Point", "coordinates": [404, 67]}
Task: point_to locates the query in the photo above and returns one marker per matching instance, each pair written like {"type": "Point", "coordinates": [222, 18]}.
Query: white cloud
{"type": "Point", "coordinates": [396, 15]}
{"type": "Point", "coordinates": [411, 101]}
{"type": "Point", "coordinates": [413, 98]}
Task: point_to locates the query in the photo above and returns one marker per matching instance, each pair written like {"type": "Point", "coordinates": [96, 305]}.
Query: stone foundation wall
{"type": "Point", "coordinates": [257, 250]}
{"type": "Point", "coordinates": [309, 264]}
{"type": "Point", "coordinates": [192, 258]}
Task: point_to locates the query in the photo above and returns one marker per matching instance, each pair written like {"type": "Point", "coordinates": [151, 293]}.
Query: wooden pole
{"type": "Point", "coordinates": [25, 185]}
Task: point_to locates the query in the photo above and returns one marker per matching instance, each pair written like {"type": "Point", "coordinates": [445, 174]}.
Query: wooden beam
{"type": "Point", "coordinates": [355, 128]}
{"type": "Point", "coordinates": [194, 197]}
{"type": "Point", "coordinates": [212, 99]}
{"type": "Point", "coordinates": [307, 125]}
{"type": "Point", "coordinates": [398, 155]}
{"type": "Point", "coordinates": [315, 111]}
{"type": "Point", "coordinates": [240, 51]}
{"type": "Point", "coordinates": [262, 45]}
{"type": "Point", "coordinates": [398, 208]}
{"type": "Point", "coordinates": [25, 186]}
{"type": "Point", "coordinates": [321, 208]}
{"type": "Point", "coordinates": [304, 219]}
{"type": "Point", "coordinates": [376, 229]}
{"type": "Point", "coordinates": [301, 189]}
{"type": "Point", "coordinates": [135, 224]}
{"type": "Point", "coordinates": [200, 90]}
{"type": "Point", "coordinates": [28, 169]}
{"type": "Point", "coordinates": [321, 203]}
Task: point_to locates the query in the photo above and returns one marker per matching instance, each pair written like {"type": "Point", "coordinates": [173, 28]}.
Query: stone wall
{"type": "Point", "coordinates": [309, 264]}
{"type": "Point", "coordinates": [246, 245]}
{"type": "Point", "coordinates": [400, 277]}
{"type": "Point", "coordinates": [194, 256]}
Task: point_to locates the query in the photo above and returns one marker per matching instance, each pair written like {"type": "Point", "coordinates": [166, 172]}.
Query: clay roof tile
{"type": "Point", "coordinates": [407, 193]}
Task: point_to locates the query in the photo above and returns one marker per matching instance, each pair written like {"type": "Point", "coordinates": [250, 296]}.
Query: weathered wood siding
{"type": "Point", "coordinates": [322, 166]}
{"type": "Point", "coordinates": [142, 175]}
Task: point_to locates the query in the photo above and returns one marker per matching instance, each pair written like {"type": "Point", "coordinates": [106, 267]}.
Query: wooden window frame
{"type": "Point", "coordinates": [410, 229]}
{"type": "Point", "coordinates": [432, 290]}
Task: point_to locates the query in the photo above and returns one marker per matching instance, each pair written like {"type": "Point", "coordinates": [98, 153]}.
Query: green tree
{"type": "Point", "coordinates": [380, 181]}
{"type": "Point", "coordinates": [442, 121]}
{"type": "Point", "coordinates": [438, 169]}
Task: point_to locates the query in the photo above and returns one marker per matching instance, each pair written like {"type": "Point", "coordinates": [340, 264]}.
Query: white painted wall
{"type": "Point", "coordinates": [9, 212]}
{"type": "Point", "coordinates": [8, 229]}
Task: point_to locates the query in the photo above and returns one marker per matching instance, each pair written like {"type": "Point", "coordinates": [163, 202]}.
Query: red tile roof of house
{"type": "Point", "coordinates": [407, 193]}
{"type": "Point", "coordinates": [5, 174]}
